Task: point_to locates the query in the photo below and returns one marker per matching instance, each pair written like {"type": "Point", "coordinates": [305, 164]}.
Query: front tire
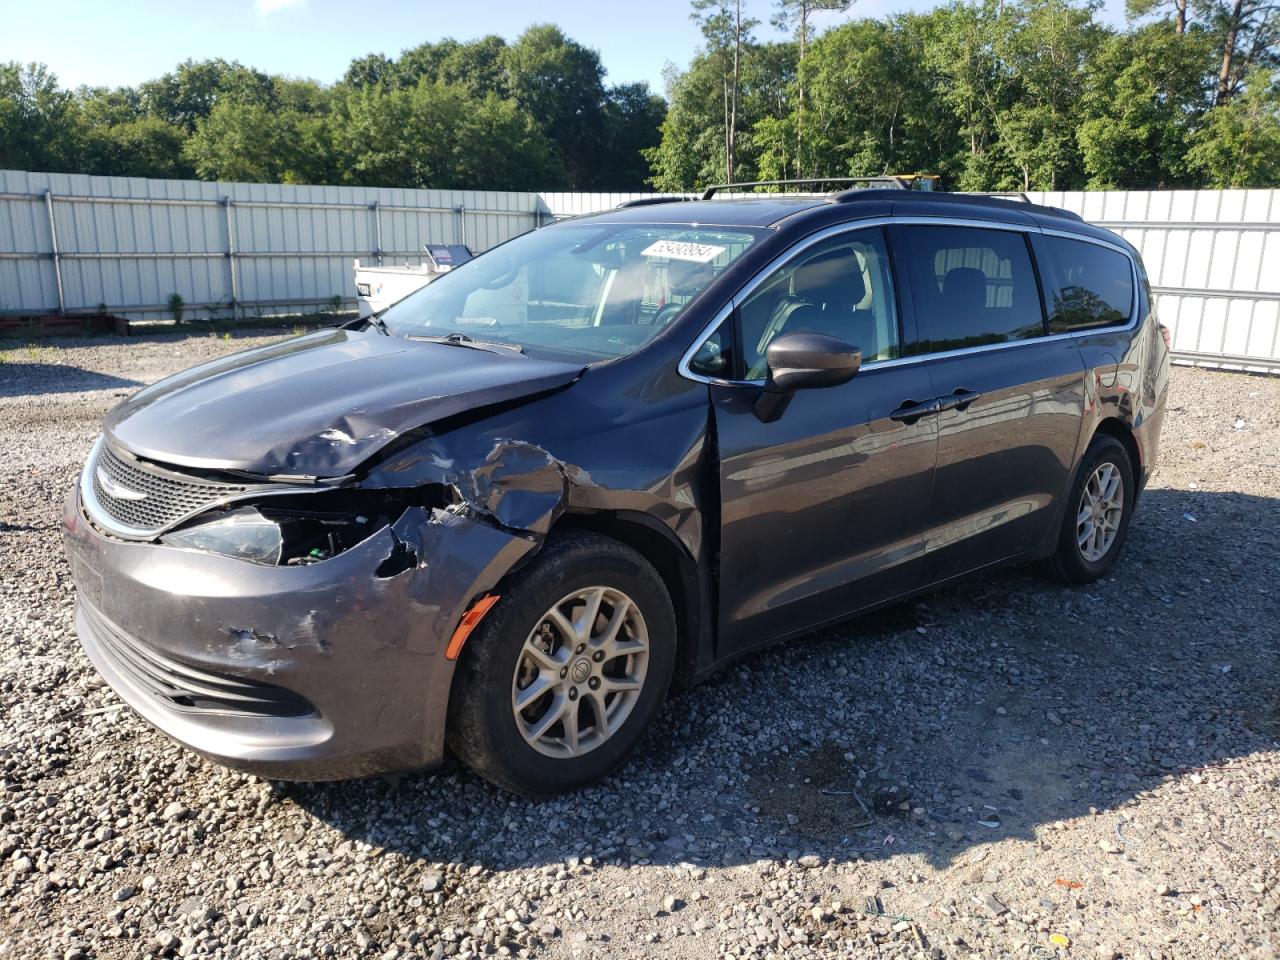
{"type": "Point", "coordinates": [1096, 518]}
{"type": "Point", "coordinates": [559, 683]}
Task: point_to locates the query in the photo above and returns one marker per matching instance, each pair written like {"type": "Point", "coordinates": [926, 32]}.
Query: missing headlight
{"type": "Point", "coordinates": [299, 529]}
{"type": "Point", "coordinates": [244, 534]}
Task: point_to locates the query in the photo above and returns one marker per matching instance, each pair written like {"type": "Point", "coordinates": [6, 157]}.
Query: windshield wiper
{"type": "Point", "coordinates": [376, 321]}
{"type": "Point", "coordinates": [457, 339]}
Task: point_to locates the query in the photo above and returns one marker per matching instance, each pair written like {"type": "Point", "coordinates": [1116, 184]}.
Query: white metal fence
{"type": "Point", "coordinates": [72, 244]}
{"type": "Point", "coordinates": [1213, 258]}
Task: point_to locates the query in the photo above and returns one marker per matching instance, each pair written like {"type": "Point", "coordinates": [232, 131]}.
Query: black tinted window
{"type": "Point", "coordinates": [1085, 285]}
{"type": "Point", "coordinates": [970, 286]}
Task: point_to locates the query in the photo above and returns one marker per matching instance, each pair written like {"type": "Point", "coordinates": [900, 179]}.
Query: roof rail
{"type": "Point", "coordinates": [1000, 195]}
{"type": "Point", "coordinates": [650, 201]}
{"type": "Point", "coordinates": [891, 183]}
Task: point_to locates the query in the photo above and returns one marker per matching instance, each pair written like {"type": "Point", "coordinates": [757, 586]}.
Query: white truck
{"type": "Point", "coordinates": [378, 287]}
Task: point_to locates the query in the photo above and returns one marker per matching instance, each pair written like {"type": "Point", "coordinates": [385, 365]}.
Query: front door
{"type": "Point", "coordinates": [1011, 397]}
{"type": "Point", "coordinates": [821, 509]}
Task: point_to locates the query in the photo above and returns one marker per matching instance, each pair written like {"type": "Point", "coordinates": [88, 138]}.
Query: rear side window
{"type": "Point", "coordinates": [1086, 285]}
{"type": "Point", "coordinates": [970, 286]}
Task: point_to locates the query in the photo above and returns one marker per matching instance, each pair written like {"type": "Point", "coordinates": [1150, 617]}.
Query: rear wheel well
{"type": "Point", "coordinates": [674, 565]}
{"type": "Point", "coordinates": [1115, 427]}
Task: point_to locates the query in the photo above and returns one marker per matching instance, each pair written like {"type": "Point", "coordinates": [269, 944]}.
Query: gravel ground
{"type": "Point", "coordinates": [1009, 768]}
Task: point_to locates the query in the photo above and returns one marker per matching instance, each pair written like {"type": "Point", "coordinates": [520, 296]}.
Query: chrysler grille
{"type": "Point", "coordinates": [146, 499]}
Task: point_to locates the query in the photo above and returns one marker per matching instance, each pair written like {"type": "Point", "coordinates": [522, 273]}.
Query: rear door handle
{"type": "Point", "coordinates": [958, 399]}
{"type": "Point", "coordinates": [913, 410]}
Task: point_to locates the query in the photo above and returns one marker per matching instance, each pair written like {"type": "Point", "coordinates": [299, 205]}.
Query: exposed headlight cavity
{"type": "Point", "coordinates": [301, 529]}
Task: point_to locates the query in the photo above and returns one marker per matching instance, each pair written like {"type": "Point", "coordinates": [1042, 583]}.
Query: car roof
{"type": "Point", "coordinates": [771, 210]}
{"type": "Point", "coordinates": [765, 211]}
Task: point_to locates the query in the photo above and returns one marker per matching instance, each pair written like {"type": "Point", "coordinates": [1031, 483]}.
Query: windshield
{"type": "Point", "coordinates": [581, 292]}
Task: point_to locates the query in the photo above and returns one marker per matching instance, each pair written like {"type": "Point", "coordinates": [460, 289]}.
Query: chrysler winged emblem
{"type": "Point", "coordinates": [114, 489]}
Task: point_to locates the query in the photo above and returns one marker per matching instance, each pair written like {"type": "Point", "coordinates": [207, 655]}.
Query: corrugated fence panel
{"type": "Point", "coordinates": [25, 283]}
{"type": "Point", "coordinates": [130, 244]}
{"type": "Point", "coordinates": [561, 205]}
{"type": "Point", "coordinates": [1213, 259]}
{"type": "Point", "coordinates": [1213, 256]}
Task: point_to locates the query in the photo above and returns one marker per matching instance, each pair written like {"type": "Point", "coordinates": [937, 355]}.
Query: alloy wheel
{"type": "Point", "coordinates": [1099, 511]}
{"type": "Point", "coordinates": [580, 672]}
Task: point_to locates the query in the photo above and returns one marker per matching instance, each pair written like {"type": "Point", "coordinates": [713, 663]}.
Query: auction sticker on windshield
{"type": "Point", "coordinates": [675, 250]}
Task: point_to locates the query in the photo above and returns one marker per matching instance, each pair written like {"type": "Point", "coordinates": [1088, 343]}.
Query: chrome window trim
{"type": "Point", "coordinates": [684, 369]}
{"type": "Point", "coordinates": [805, 243]}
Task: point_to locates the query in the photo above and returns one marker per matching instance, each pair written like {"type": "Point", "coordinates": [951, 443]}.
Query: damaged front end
{"type": "Point", "coordinates": [295, 629]}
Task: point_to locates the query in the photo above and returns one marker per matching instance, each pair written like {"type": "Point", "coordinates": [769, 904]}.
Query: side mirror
{"type": "Point", "coordinates": [804, 361]}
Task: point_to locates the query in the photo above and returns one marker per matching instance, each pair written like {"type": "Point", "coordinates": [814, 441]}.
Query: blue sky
{"type": "Point", "coordinates": [115, 42]}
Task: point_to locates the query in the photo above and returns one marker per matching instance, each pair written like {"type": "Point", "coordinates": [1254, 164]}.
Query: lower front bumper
{"type": "Point", "coordinates": [316, 672]}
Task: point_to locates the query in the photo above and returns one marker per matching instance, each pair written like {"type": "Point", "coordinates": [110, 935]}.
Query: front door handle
{"type": "Point", "coordinates": [912, 410]}
{"type": "Point", "coordinates": [958, 399]}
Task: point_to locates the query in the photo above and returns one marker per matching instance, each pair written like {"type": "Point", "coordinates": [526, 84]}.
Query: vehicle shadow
{"type": "Point", "coordinates": [983, 711]}
{"type": "Point", "coordinates": [39, 379]}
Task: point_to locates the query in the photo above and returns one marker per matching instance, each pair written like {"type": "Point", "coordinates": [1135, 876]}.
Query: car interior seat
{"type": "Point", "coordinates": [962, 307]}
{"type": "Point", "coordinates": [825, 293]}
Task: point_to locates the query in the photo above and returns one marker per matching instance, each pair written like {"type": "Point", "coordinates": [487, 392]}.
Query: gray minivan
{"type": "Point", "coordinates": [617, 452]}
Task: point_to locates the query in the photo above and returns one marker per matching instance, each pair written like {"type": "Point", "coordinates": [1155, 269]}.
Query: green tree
{"type": "Point", "coordinates": [1046, 46]}
{"type": "Point", "coordinates": [960, 52]}
{"type": "Point", "coordinates": [38, 120]}
{"type": "Point", "coordinates": [479, 67]}
{"type": "Point", "coordinates": [437, 135]}
{"type": "Point", "coordinates": [872, 109]}
{"type": "Point", "coordinates": [727, 34]}
{"type": "Point", "coordinates": [145, 147]}
{"type": "Point", "coordinates": [633, 117]}
{"type": "Point", "coordinates": [247, 141]}
{"type": "Point", "coordinates": [691, 149]}
{"type": "Point", "coordinates": [423, 62]}
{"type": "Point", "coordinates": [1144, 96]}
{"type": "Point", "coordinates": [1239, 143]}
{"type": "Point", "coordinates": [369, 71]}
{"type": "Point", "coordinates": [796, 16]}
{"type": "Point", "coordinates": [1137, 9]}
{"type": "Point", "coordinates": [560, 84]}
{"type": "Point", "coordinates": [188, 94]}
{"type": "Point", "coordinates": [1248, 31]}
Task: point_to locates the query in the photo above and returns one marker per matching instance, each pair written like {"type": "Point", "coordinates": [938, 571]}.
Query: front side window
{"type": "Point", "coordinates": [714, 356]}
{"type": "Point", "coordinates": [841, 286]}
{"type": "Point", "coordinates": [971, 286]}
{"type": "Point", "coordinates": [579, 292]}
{"type": "Point", "coordinates": [1086, 285]}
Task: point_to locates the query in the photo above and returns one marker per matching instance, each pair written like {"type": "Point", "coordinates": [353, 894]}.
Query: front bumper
{"type": "Point", "coordinates": [315, 672]}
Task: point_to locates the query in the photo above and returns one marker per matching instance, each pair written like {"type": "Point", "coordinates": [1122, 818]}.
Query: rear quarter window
{"type": "Point", "coordinates": [1086, 285]}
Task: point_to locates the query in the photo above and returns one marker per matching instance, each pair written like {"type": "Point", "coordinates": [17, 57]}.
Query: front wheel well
{"type": "Point", "coordinates": [677, 569]}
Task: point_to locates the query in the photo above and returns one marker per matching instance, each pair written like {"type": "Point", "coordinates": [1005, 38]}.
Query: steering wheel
{"type": "Point", "coordinates": [666, 314]}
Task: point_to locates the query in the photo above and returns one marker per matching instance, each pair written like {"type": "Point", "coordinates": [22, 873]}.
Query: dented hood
{"type": "Point", "coordinates": [319, 405]}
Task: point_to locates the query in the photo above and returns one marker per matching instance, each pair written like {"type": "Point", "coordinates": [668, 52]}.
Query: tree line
{"type": "Point", "coordinates": [486, 114]}
{"type": "Point", "coordinates": [991, 94]}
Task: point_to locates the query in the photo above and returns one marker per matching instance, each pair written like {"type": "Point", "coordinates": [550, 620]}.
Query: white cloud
{"type": "Point", "coordinates": [265, 7]}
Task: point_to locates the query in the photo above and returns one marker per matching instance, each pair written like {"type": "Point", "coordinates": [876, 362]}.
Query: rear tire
{"type": "Point", "coordinates": [543, 700]}
{"type": "Point", "coordinates": [1096, 518]}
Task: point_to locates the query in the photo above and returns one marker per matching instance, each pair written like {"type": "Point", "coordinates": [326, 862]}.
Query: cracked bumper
{"type": "Point", "coordinates": [315, 672]}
